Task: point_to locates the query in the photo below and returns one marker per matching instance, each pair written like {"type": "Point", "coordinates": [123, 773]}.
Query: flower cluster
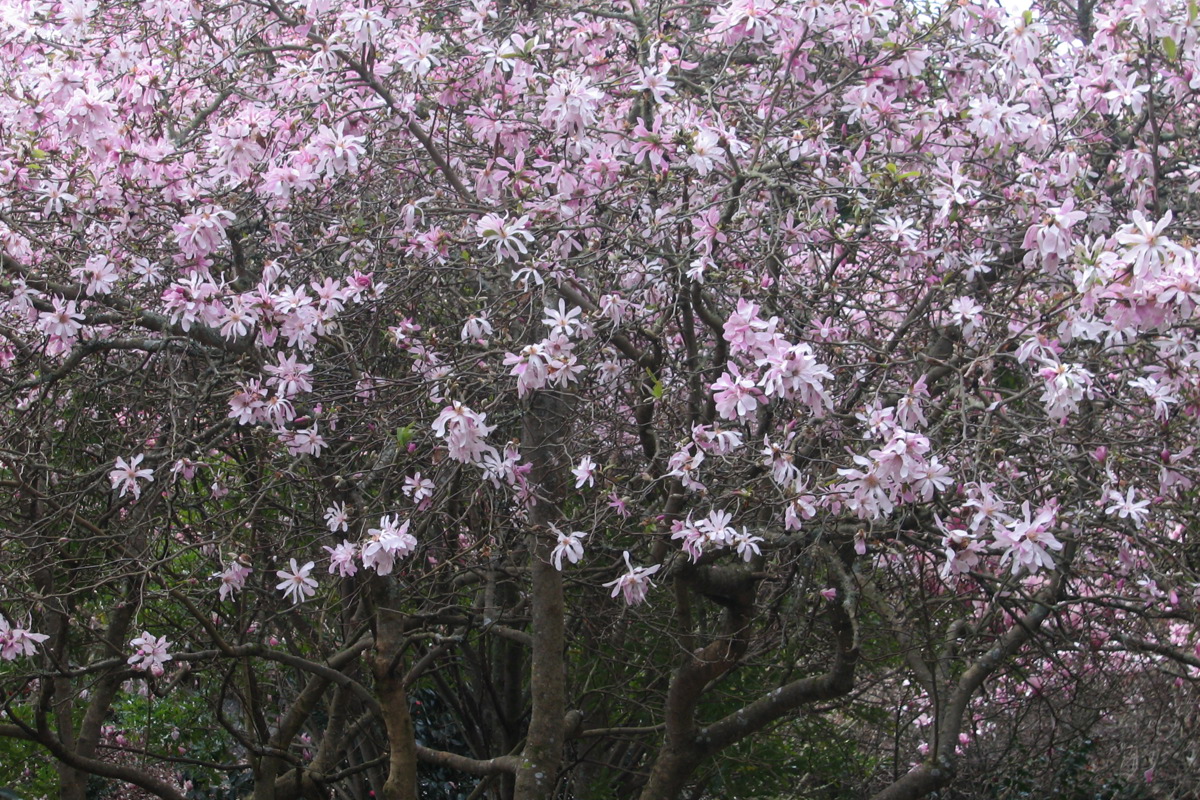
{"type": "Point", "coordinates": [788, 371]}
{"type": "Point", "coordinates": [714, 532]}
{"type": "Point", "coordinates": [150, 654]}
{"type": "Point", "coordinates": [463, 431]}
{"type": "Point", "coordinates": [550, 362]}
{"type": "Point", "coordinates": [1025, 541]}
{"type": "Point", "coordinates": [387, 543]}
{"type": "Point", "coordinates": [902, 471]}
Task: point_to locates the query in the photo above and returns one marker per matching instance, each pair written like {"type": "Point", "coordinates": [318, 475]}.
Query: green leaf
{"type": "Point", "coordinates": [657, 389]}
{"type": "Point", "coordinates": [1170, 48]}
{"type": "Point", "coordinates": [404, 436]}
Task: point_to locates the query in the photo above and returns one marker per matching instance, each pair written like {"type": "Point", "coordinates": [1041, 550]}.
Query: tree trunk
{"type": "Point", "coordinates": [541, 760]}
{"type": "Point", "coordinates": [401, 783]}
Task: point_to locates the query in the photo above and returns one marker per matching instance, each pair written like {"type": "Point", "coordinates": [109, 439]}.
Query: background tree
{"type": "Point", "coordinates": [644, 389]}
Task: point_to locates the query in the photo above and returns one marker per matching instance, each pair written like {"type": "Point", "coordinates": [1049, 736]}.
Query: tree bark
{"type": "Point", "coordinates": [401, 782]}
{"type": "Point", "coordinates": [544, 429]}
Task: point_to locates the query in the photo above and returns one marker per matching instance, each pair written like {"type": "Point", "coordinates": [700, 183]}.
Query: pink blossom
{"type": "Point", "coordinates": [186, 467]}
{"type": "Point", "coordinates": [202, 232]}
{"type": "Point", "coordinates": [98, 275]}
{"type": "Point", "coordinates": [635, 583]}
{"type": "Point", "coordinates": [150, 654]}
{"type": "Point", "coordinates": [716, 440]}
{"type": "Point", "coordinates": [55, 196]}
{"type": "Point", "coordinates": [337, 152]}
{"type": "Point", "coordinates": [963, 552]}
{"type": "Point", "coordinates": [563, 321]}
{"type": "Point", "coordinates": [1159, 393]}
{"type": "Point", "coordinates": [390, 541]}
{"type": "Point", "coordinates": [745, 331]}
{"type": "Point", "coordinates": [341, 559]}
{"type": "Point", "coordinates": [741, 19]}
{"type": "Point", "coordinates": [655, 82]}
{"type": "Point", "coordinates": [967, 314]}
{"type": "Point", "coordinates": [571, 102]}
{"type": "Point", "coordinates": [736, 396]}
{"type": "Point", "coordinates": [337, 518]}
{"type": "Point", "coordinates": [1026, 541]}
{"type": "Point", "coordinates": [530, 367]}
{"type": "Point", "coordinates": [795, 374]}
{"type": "Point", "coordinates": [706, 153]}
{"type": "Point", "coordinates": [618, 504]}
{"type": "Point", "coordinates": [746, 544]}
{"type": "Point", "coordinates": [1136, 511]}
{"type": "Point", "coordinates": [417, 54]}
{"type": "Point", "coordinates": [508, 237]}
{"type": "Point", "coordinates": [296, 583]}
{"type": "Point", "coordinates": [585, 473]}
{"type": "Point", "coordinates": [126, 476]}
{"type": "Point", "coordinates": [238, 320]}
{"type": "Point", "coordinates": [364, 23]}
{"type": "Point", "coordinates": [1066, 386]}
{"type": "Point", "coordinates": [685, 465]}
{"type": "Point", "coordinates": [1146, 246]}
{"type": "Point", "coordinates": [233, 578]}
{"type": "Point", "coordinates": [64, 321]}
{"type": "Point", "coordinates": [648, 144]}
{"type": "Point", "coordinates": [246, 402]}
{"type": "Point", "coordinates": [476, 328]}
{"type": "Point", "coordinates": [418, 488]}
{"type": "Point", "coordinates": [1052, 239]}
{"type": "Point", "coordinates": [16, 641]}
{"type": "Point", "coordinates": [464, 431]}
{"type": "Point", "coordinates": [569, 545]}
{"type": "Point", "coordinates": [288, 376]}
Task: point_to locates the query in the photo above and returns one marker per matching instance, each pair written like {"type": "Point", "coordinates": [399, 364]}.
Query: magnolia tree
{"type": "Point", "coordinates": [653, 388]}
